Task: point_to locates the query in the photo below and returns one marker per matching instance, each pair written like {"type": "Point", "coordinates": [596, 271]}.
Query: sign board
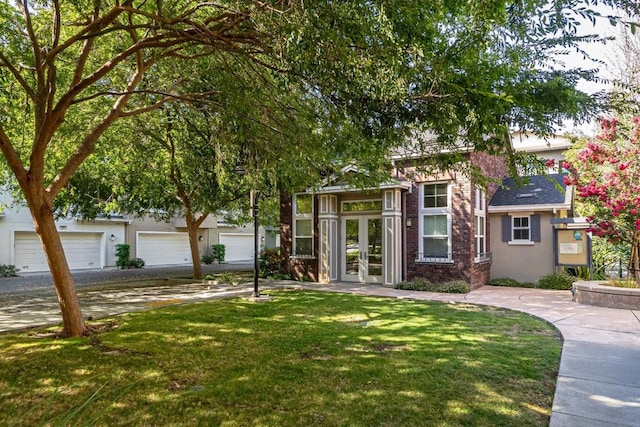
{"type": "Point", "coordinates": [573, 247]}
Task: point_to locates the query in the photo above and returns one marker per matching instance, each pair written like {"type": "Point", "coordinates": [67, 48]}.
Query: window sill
{"type": "Point", "coordinates": [521, 243]}
{"type": "Point", "coordinates": [302, 257]}
{"type": "Point", "coordinates": [482, 260]}
{"type": "Point", "coordinates": [434, 261]}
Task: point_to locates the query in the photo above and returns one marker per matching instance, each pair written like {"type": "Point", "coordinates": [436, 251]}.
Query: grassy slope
{"type": "Point", "coordinates": [305, 358]}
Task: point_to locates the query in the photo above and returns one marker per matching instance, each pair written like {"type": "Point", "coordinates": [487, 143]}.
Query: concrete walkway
{"type": "Point", "coordinates": [599, 377]}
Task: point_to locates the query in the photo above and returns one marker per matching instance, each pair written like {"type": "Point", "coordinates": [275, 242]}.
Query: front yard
{"type": "Point", "coordinates": [304, 358]}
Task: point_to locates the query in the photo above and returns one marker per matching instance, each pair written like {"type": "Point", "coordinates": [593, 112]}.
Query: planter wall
{"type": "Point", "coordinates": [592, 293]}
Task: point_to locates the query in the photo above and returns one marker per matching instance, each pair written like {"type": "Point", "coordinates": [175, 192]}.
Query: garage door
{"type": "Point", "coordinates": [83, 250]}
{"type": "Point", "coordinates": [164, 248]}
{"type": "Point", "coordinates": [238, 247]}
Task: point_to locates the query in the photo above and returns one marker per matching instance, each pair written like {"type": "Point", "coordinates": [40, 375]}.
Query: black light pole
{"type": "Point", "coordinates": [256, 243]}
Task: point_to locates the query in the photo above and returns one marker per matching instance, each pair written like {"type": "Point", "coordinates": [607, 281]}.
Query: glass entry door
{"type": "Point", "coordinates": [362, 249]}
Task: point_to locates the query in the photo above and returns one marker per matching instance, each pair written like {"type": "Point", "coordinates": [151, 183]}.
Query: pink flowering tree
{"type": "Point", "coordinates": [606, 174]}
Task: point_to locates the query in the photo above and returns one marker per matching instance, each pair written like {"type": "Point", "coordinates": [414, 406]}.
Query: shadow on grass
{"type": "Point", "coordinates": [305, 358]}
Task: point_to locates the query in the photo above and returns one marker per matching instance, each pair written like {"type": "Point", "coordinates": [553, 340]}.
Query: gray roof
{"type": "Point", "coordinates": [534, 190]}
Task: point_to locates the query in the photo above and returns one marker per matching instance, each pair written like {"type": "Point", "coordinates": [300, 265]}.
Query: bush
{"type": "Point", "coordinates": [218, 252]}
{"type": "Point", "coordinates": [207, 259]}
{"type": "Point", "coordinates": [123, 252]}
{"type": "Point", "coordinates": [558, 281]}
{"type": "Point", "coordinates": [136, 263]}
{"type": "Point", "coordinates": [8, 270]}
{"type": "Point", "coordinates": [270, 263]}
{"type": "Point", "coordinates": [510, 283]}
{"type": "Point", "coordinates": [422, 284]}
{"type": "Point", "coordinates": [417, 284]}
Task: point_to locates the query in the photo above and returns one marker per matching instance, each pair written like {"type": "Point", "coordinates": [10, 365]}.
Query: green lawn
{"type": "Point", "coordinates": [302, 359]}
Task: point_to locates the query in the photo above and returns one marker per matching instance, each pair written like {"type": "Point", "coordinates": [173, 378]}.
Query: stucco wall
{"type": "Point", "coordinates": [17, 218]}
{"type": "Point", "coordinates": [525, 263]}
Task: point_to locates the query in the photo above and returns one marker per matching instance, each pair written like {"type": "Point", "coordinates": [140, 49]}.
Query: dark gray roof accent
{"type": "Point", "coordinates": [534, 190]}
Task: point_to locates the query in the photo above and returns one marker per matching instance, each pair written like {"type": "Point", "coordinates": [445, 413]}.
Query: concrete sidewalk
{"type": "Point", "coordinates": [598, 381]}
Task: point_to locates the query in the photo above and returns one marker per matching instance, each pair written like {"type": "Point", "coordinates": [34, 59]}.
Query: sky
{"type": "Point", "coordinates": [599, 51]}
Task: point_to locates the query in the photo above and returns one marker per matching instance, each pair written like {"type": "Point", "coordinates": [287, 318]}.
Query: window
{"type": "Point", "coordinates": [521, 229]}
{"type": "Point", "coordinates": [362, 206]}
{"type": "Point", "coordinates": [436, 196]}
{"type": "Point", "coordinates": [435, 224]}
{"type": "Point", "coordinates": [303, 225]}
{"type": "Point", "coordinates": [480, 224]}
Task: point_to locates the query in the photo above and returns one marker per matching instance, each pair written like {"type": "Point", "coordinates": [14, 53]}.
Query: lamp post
{"type": "Point", "coordinates": [256, 242]}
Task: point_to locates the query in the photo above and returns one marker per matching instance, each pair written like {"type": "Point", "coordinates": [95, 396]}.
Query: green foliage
{"type": "Point", "coordinates": [422, 284]}
{"type": "Point", "coordinates": [270, 263]}
{"type": "Point", "coordinates": [505, 281]}
{"type": "Point", "coordinates": [8, 270]}
{"type": "Point", "coordinates": [123, 253]}
{"type": "Point", "coordinates": [558, 281]}
{"type": "Point", "coordinates": [622, 283]}
{"type": "Point", "coordinates": [509, 282]}
{"type": "Point", "coordinates": [136, 263]}
{"type": "Point", "coordinates": [218, 252]}
{"type": "Point", "coordinates": [207, 259]}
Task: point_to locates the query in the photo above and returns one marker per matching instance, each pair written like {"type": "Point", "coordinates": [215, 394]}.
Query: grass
{"type": "Point", "coordinates": [621, 283]}
{"type": "Point", "coordinates": [302, 359]}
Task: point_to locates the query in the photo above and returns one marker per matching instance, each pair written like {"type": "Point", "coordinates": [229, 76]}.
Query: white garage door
{"type": "Point", "coordinates": [238, 247]}
{"type": "Point", "coordinates": [83, 250]}
{"type": "Point", "coordinates": [163, 248]}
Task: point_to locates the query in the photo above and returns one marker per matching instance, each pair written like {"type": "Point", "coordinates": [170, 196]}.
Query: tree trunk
{"type": "Point", "coordinates": [45, 227]}
{"type": "Point", "coordinates": [635, 258]}
{"type": "Point", "coordinates": [192, 230]}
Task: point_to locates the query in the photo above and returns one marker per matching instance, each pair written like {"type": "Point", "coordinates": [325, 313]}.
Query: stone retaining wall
{"type": "Point", "coordinates": [592, 293]}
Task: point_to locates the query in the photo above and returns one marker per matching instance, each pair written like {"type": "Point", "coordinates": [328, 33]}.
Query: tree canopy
{"type": "Point", "coordinates": [332, 83]}
{"type": "Point", "coordinates": [606, 174]}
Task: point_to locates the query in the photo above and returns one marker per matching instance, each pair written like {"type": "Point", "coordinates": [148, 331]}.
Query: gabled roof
{"type": "Point", "coordinates": [539, 193]}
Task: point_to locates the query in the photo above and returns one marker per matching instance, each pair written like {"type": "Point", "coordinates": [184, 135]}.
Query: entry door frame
{"type": "Point", "coordinates": [363, 242]}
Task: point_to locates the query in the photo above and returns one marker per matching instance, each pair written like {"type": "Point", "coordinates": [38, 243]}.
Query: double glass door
{"type": "Point", "coordinates": [362, 249]}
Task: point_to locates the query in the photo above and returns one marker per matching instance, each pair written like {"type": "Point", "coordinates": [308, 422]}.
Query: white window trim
{"type": "Point", "coordinates": [432, 212]}
{"type": "Point", "coordinates": [298, 216]}
{"type": "Point", "coordinates": [480, 210]}
{"type": "Point", "coordinates": [515, 241]}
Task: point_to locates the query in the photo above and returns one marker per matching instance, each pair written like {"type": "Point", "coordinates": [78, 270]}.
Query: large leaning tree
{"type": "Point", "coordinates": [70, 70]}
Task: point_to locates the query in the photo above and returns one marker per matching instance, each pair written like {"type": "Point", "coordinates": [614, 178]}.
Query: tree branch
{"type": "Point", "coordinates": [86, 147]}
{"type": "Point", "coordinates": [12, 157]}
{"type": "Point", "coordinates": [18, 77]}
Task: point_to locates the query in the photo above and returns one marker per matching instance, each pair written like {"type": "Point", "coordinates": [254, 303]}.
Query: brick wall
{"type": "Point", "coordinates": [464, 266]}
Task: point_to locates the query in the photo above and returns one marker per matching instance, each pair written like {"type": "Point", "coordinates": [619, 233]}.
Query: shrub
{"type": "Point", "coordinates": [123, 251]}
{"type": "Point", "coordinates": [136, 263]}
{"type": "Point", "coordinates": [417, 284]}
{"type": "Point", "coordinates": [453, 287]}
{"type": "Point", "coordinates": [207, 259]}
{"type": "Point", "coordinates": [422, 284]}
{"type": "Point", "coordinates": [269, 262]}
{"type": "Point", "coordinates": [218, 252]}
{"type": "Point", "coordinates": [558, 281]}
{"type": "Point", "coordinates": [510, 283]}
{"type": "Point", "coordinates": [8, 270]}
{"type": "Point", "coordinates": [505, 281]}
